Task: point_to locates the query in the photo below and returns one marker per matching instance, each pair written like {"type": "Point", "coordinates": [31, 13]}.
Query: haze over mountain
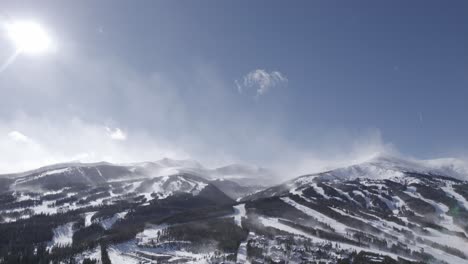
{"type": "Point", "coordinates": [245, 174]}
{"type": "Point", "coordinates": [125, 82]}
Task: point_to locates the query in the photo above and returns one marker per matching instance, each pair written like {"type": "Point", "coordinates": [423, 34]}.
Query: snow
{"type": "Point", "coordinates": [339, 227]}
{"type": "Point", "coordinates": [195, 186]}
{"type": "Point", "coordinates": [442, 255]}
{"type": "Point", "coordinates": [48, 208]}
{"type": "Point", "coordinates": [44, 208]}
{"type": "Point", "coordinates": [22, 197]}
{"type": "Point", "coordinates": [109, 222]}
{"type": "Point", "coordinates": [50, 172]}
{"type": "Point", "coordinates": [394, 205]}
{"type": "Point", "coordinates": [319, 190]}
{"type": "Point", "coordinates": [88, 217]}
{"type": "Point", "coordinates": [149, 233]}
{"type": "Point", "coordinates": [118, 257]}
{"type": "Point", "coordinates": [345, 194]}
{"type": "Point", "coordinates": [460, 199]}
{"type": "Point", "coordinates": [377, 168]}
{"type": "Point", "coordinates": [62, 235]}
{"type": "Point", "coordinates": [242, 251]}
{"type": "Point", "coordinates": [368, 201]}
{"type": "Point", "coordinates": [273, 222]}
{"type": "Point", "coordinates": [97, 202]}
{"type": "Point", "coordinates": [56, 192]}
{"type": "Point", "coordinates": [451, 167]}
{"type": "Point", "coordinates": [162, 189]}
{"type": "Point", "coordinates": [100, 174]}
{"type": "Point", "coordinates": [131, 251]}
{"type": "Point", "coordinates": [399, 203]}
{"type": "Point", "coordinates": [449, 240]}
{"type": "Point", "coordinates": [134, 185]}
{"type": "Point", "coordinates": [382, 166]}
{"type": "Point", "coordinates": [441, 209]}
{"type": "Point", "coordinates": [435, 236]}
{"type": "Point", "coordinates": [90, 254]}
{"type": "Point", "coordinates": [239, 214]}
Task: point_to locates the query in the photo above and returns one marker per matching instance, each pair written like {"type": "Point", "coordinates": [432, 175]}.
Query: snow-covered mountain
{"type": "Point", "coordinates": [397, 206]}
{"type": "Point", "coordinates": [386, 166]}
{"type": "Point", "coordinates": [62, 175]}
{"type": "Point", "coordinates": [383, 210]}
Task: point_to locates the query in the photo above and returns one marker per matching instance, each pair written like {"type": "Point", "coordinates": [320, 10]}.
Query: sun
{"type": "Point", "coordinates": [28, 37]}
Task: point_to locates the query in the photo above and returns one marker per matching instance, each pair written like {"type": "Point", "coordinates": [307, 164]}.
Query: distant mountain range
{"type": "Point", "coordinates": [383, 210]}
{"type": "Point", "coordinates": [96, 173]}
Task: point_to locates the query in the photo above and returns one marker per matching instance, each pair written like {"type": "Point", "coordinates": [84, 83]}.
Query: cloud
{"type": "Point", "coordinates": [74, 140]}
{"type": "Point", "coordinates": [76, 109]}
{"type": "Point", "coordinates": [116, 134]}
{"type": "Point", "coordinates": [338, 150]}
{"type": "Point", "coordinates": [85, 108]}
{"type": "Point", "coordinates": [261, 80]}
{"type": "Point", "coordinates": [18, 136]}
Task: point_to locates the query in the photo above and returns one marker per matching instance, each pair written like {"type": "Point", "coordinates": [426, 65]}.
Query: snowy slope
{"type": "Point", "coordinates": [171, 210]}
{"type": "Point", "coordinates": [385, 167]}
{"type": "Point", "coordinates": [70, 174]}
{"type": "Point", "coordinates": [419, 206]}
{"type": "Point", "coordinates": [63, 235]}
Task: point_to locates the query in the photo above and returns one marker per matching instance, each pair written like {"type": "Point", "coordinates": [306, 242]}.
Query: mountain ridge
{"type": "Point", "coordinates": [171, 165]}
{"type": "Point", "coordinates": [382, 210]}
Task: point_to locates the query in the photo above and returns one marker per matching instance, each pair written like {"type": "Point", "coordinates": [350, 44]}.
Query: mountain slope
{"type": "Point", "coordinates": [59, 176]}
{"type": "Point", "coordinates": [385, 210]}
{"type": "Point", "coordinates": [383, 204]}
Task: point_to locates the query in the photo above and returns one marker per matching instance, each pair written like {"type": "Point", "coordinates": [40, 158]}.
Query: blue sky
{"type": "Point", "coordinates": [340, 80]}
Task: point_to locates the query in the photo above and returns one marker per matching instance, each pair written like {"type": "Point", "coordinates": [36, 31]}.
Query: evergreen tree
{"type": "Point", "coordinates": [104, 255]}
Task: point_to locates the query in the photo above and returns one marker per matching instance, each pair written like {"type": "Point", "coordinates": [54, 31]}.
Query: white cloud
{"type": "Point", "coordinates": [339, 150]}
{"type": "Point", "coordinates": [18, 137]}
{"type": "Point", "coordinates": [164, 121]}
{"type": "Point", "coordinates": [116, 134]}
{"type": "Point", "coordinates": [74, 140]}
{"type": "Point", "coordinates": [261, 80]}
{"type": "Point", "coordinates": [167, 117]}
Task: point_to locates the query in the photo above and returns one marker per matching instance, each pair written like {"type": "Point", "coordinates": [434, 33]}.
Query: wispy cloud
{"type": "Point", "coordinates": [339, 150]}
{"type": "Point", "coordinates": [95, 109]}
{"type": "Point", "coordinates": [18, 137]}
{"type": "Point", "coordinates": [135, 116]}
{"type": "Point", "coordinates": [32, 142]}
{"type": "Point", "coordinates": [42, 142]}
{"type": "Point", "coordinates": [116, 133]}
{"type": "Point", "coordinates": [261, 80]}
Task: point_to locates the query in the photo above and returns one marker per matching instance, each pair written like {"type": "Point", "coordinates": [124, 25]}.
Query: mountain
{"type": "Point", "coordinates": [384, 166]}
{"type": "Point", "coordinates": [384, 210]}
{"type": "Point", "coordinates": [61, 175]}
{"type": "Point", "coordinates": [386, 204]}
{"type": "Point", "coordinates": [235, 190]}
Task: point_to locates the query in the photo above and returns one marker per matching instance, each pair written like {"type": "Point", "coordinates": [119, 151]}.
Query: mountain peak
{"type": "Point", "coordinates": [382, 165]}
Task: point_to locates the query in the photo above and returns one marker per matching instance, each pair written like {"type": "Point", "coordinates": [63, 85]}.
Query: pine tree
{"type": "Point", "coordinates": [104, 255]}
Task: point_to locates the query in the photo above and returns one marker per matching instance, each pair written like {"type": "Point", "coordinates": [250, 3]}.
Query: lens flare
{"type": "Point", "coordinates": [28, 37]}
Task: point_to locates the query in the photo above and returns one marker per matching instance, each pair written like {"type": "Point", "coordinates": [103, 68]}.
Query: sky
{"type": "Point", "coordinates": [297, 86]}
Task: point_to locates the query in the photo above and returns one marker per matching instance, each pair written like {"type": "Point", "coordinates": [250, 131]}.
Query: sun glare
{"type": "Point", "coordinates": [29, 37]}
